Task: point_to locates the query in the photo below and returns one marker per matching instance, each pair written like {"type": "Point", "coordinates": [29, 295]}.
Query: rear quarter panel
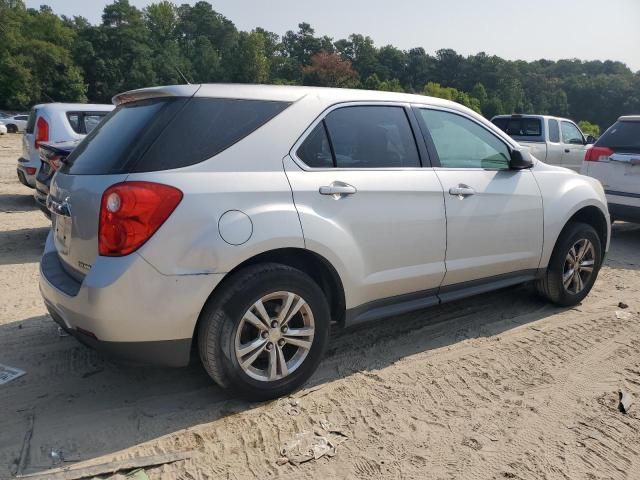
{"type": "Point", "coordinates": [564, 193]}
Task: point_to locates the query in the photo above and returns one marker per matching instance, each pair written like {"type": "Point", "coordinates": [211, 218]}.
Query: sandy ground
{"type": "Point", "coordinates": [498, 386]}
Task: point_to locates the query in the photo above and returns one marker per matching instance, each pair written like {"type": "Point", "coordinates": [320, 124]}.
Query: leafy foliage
{"type": "Point", "coordinates": [46, 57]}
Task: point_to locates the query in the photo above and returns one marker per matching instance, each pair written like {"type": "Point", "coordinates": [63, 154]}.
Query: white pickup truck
{"type": "Point", "coordinates": [554, 140]}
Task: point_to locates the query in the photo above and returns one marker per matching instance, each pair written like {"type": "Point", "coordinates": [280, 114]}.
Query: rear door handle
{"type": "Point", "coordinates": [566, 150]}
{"type": "Point", "coordinates": [462, 191]}
{"type": "Point", "coordinates": [338, 189]}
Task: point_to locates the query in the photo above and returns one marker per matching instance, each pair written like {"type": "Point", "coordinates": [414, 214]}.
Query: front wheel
{"type": "Point", "coordinates": [265, 332]}
{"type": "Point", "coordinates": [574, 265]}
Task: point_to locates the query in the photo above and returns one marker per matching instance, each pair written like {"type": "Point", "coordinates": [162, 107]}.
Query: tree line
{"type": "Point", "coordinates": [48, 57]}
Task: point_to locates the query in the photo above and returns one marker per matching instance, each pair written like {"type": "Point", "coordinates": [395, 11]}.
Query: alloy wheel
{"type": "Point", "coordinates": [578, 266]}
{"type": "Point", "coordinates": [274, 336]}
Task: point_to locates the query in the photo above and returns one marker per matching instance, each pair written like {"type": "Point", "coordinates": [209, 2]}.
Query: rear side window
{"type": "Point", "coordinates": [315, 151]}
{"type": "Point", "coordinates": [520, 127]}
{"type": "Point", "coordinates": [554, 131]}
{"type": "Point", "coordinates": [362, 137]}
{"type": "Point", "coordinates": [84, 122]}
{"type": "Point", "coordinates": [167, 133]}
{"type": "Point", "coordinates": [31, 123]}
{"type": "Point", "coordinates": [622, 136]}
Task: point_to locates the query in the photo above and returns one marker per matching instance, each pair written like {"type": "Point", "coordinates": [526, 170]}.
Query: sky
{"type": "Point", "coordinates": [551, 29]}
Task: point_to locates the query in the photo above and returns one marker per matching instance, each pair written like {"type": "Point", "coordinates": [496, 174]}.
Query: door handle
{"type": "Point", "coordinates": [462, 191]}
{"type": "Point", "coordinates": [337, 189]}
{"type": "Point", "coordinates": [566, 150]}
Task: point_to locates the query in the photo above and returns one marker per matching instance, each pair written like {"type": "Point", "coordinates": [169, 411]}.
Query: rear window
{"type": "Point", "coordinates": [167, 133]}
{"type": "Point", "coordinates": [622, 136]}
{"type": "Point", "coordinates": [31, 123]}
{"type": "Point", "coordinates": [520, 127]}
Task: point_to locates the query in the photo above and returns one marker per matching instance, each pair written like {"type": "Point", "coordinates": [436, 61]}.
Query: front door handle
{"type": "Point", "coordinates": [338, 189]}
{"type": "Point", "coordinates": [566, 150]}
{"type": "Point", "coordinates": [462, 191]}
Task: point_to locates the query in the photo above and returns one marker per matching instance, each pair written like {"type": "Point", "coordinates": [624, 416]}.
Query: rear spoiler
{"type": "Point", "coordinates": [155, 92]}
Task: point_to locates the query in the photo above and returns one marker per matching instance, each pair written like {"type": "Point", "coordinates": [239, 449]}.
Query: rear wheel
{"type": "Point", "coordinates": [574, 265]}
{"type": "Point", "coordinates": [264, 333]}
{"type": "Point", "coordinates": [12, 128]}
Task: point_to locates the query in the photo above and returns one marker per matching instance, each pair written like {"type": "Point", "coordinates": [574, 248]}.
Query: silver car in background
{"type": "Point", "coordinates": [240, 221]}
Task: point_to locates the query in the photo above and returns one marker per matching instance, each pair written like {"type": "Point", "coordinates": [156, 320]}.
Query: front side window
{"type": "Point", "coordinates": [571, 134]}
{"type": "Point", "coordinates": [462, 143]}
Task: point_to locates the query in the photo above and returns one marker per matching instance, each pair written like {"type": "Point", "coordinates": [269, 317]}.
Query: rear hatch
{"type": "Point", "coordinates": [615, 158]}
{"type": "Point", "coordinates": [149, 134]}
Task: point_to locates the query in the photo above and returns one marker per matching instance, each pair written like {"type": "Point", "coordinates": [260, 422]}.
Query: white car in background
{"type": "Point", "coordinates": [614, 160]}
{"type": "Point", "coordinates": [17, 123]}
{"type": "Point", "coordinates": [54, 123]}
{"type": "Point", "coordinates": [3, 128]}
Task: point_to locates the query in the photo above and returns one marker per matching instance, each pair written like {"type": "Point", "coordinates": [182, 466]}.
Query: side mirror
{"type": "Point", "coordinates": [520, 159]}
{"type": "Point", "coordinates": [591, 139]}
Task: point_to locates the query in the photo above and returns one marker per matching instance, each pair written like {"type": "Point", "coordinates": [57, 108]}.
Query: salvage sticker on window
{"type": "Point", "coordinates": [9, 373]}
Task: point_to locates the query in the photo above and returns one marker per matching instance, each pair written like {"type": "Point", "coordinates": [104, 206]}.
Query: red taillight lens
{"type": "Point", "coordinates": [597, 154]}
{"type": "Point", "coordinates": [30, 170]}
{"type": "Point", "coordinates": [42, 132]}
{"type": "Point", "coordinates": [131, 212]}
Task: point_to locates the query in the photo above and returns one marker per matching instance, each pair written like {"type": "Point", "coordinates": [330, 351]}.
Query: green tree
{"type": "Point", "coordinates": [589, 128]}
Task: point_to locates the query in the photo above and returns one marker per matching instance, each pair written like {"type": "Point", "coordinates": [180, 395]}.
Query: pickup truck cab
{"type": "Point", "coordinates": [554, 140]}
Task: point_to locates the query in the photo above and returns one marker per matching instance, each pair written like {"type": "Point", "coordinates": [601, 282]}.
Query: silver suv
{"type": "Point", "coordinates": [239, 221]}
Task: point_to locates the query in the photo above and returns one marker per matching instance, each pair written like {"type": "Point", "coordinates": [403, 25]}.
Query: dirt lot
{"type": "Point", "coordinates": [498, 386]}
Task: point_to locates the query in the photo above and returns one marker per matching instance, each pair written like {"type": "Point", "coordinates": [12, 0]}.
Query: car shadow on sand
{"type": "Point", "coordinates": [624, 252]}
{"type": "Point", "coordinates": [14, 203]}
{"type": "Point", "coordinates": [84, 405]}
{"type": "Point", "coordinates": [24, 245]}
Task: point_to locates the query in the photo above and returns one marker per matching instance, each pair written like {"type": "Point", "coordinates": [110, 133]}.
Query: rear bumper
{"type": "Point", "coordinates": [124, 307]}
{"type": "Point", "coordinates": [27, 179]}
{"type": "Point", "coordinates": [624, 206]}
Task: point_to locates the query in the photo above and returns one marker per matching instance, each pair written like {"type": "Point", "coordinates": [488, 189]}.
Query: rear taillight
{"type": "Point", "coordinates": [598, 154]}
{"type": "Point", "coordinates": [30, 170]}
{"type": "Point", "coordinates": [42, 132]}
{"type": "Point", "coordinates": [131, 212]}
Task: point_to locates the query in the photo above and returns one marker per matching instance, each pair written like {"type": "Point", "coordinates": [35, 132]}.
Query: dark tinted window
{"type": "Point", "coordinates": [162, 134]}
{"type": "Point", "coordinates": [31, 123]}
{"type": "Point", "coordinates": [315, 151]}
{"type": "Point", "coordinates": [520, 127]}
{"type": "Point", "coordinates": [622, 136]}
{"type": "Point", "coordinates": [372, 137]}
{"type": "Point", "coordinates": [74, 121]}
{"type": "Point", "coordinates": [554, 131]}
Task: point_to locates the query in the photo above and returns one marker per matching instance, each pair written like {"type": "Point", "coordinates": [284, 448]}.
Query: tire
{"type": "Point", "coordinates": [11, 128]}
{"type": "Point", "coordinates": [223, 330]}
{"type": "Point", "coordinates": [552, 284]}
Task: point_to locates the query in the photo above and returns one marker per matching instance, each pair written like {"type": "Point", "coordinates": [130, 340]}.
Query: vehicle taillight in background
{"type": "Point", "coordinates": [42, 132]}
{"type": "Point", "coordinates": [598, 154]}
{"type": "Point", "coordinates": [131, 212]}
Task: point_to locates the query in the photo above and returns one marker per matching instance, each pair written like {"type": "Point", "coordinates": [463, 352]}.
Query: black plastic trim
{"type": "Point", "coordinates": [622, 194]}
{"type": "Point", "coordinates": [55, 274]}
{"type": "Point", "coordinates": [388, 307]}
